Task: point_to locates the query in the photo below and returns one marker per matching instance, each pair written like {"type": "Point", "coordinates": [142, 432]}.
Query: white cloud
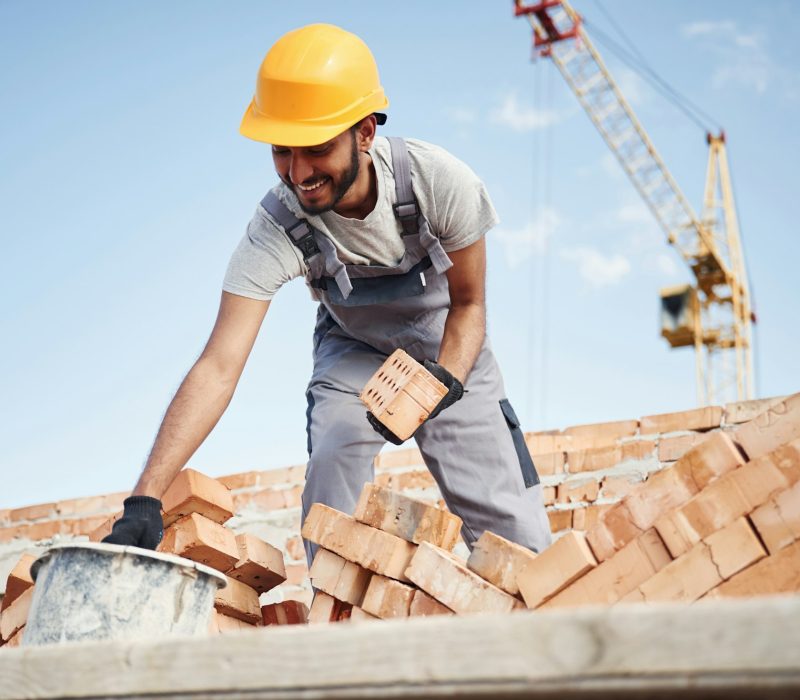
{"type": "Point", "coordinates": [597, 269]}
{"type": "Point", "coordinates": [463, 115]}
{"type": "Point", "coordinates": [634, 212]}
{"type": "Point", "coordinates": [532, 239]}
{"type": "Point", "coordinates": [522, 117]}
{"type": "Point", "coordinates": [742, 56]}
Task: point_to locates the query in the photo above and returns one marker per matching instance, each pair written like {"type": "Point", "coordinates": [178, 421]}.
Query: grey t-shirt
{"type": "Point", "coordinates": [452, 198]}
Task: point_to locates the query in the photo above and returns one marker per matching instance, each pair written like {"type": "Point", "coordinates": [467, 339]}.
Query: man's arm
{"type": "Point", "coordinates": [204, 393]}
{"type": "Point", "coordinates": [465, 326]}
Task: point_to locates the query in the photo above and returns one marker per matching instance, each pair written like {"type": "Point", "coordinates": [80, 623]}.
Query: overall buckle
{"type": "Point", "coordinates": [304, 238]}
{"type": "Point", "coordinates": [408, 215]}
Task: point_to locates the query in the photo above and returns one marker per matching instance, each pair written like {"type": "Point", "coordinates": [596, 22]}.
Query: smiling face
{"type": "Point", "coordinates": [323, 177]}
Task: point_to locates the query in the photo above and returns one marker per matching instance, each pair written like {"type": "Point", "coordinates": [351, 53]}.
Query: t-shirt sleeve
{"type": "Point", "coordinates": [460, 210]}
{"type": "Point", "coordinates": [263, 261]}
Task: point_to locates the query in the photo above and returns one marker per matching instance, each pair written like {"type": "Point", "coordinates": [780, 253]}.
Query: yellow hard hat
{"type": "Point", "coordinates": [314, 83]}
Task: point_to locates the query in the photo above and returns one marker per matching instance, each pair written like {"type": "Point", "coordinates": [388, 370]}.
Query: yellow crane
{"type": "Point", "coordinates": [714, 314]}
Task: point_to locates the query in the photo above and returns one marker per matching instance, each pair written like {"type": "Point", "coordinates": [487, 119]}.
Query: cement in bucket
{"type": "Point", "coordinates": [91, 591]}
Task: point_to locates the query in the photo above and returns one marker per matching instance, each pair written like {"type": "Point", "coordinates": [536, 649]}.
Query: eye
{"type": "Point", "coordinates": [318, 150]}
{"type": "Point", "coordinates": [279, 151]}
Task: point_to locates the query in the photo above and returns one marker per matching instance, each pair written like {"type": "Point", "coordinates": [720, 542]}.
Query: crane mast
{"type": "Point", "coordinates": [713, 315]}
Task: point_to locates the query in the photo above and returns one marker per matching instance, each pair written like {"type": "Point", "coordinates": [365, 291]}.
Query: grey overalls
{"type": "Point", "coordinates": [474, 449]}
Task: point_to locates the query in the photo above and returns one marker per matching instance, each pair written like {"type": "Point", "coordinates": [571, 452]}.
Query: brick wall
{"type": "Point", "coordinates": [583, 469]}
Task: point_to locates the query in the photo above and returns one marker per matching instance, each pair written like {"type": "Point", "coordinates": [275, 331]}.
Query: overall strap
{"type": "Point", "coordinates": [301, 234]}
{"type": "Point", "coordinates": [407, 211]}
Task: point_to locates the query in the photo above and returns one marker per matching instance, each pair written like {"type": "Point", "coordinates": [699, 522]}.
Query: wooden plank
{"type": "Point", "coordinates": [730, 647]}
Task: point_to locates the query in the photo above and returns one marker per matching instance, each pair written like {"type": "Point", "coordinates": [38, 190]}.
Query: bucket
{"type": "Point", "coordinates": [92, 591]}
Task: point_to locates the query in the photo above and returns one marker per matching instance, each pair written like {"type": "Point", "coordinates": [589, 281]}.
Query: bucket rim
{"type": "Point", "coordinates": [218, 576]}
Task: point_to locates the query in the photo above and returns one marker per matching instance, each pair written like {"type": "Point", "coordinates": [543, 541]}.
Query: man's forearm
{"type": "Point", "coordinates": [464, 332]}
{"type": "Point", "coordinates": [198, 404]}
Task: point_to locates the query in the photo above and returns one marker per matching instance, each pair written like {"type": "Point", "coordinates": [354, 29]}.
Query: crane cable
{"type": "Point", "coordinates": [635, 60]}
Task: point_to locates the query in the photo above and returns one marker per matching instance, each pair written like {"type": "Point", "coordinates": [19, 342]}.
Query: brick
{"type": "Point", "coordinates": [37, 512]}
{"type": "Point", "coordinates": [260, 565]}
{"type": "Point", "coordinates": [608, 432]}
{"type": "Point", "coordinates": [288, 475]}
{"type": "Point", "coordinates": [548, 495]}
{"type": "Point", "coordinates": [90, 505]}
{"type": "Point", "coordinates": [638, 450]}
{"type": "Point", "coordinates": [326, 608]}
{"type": "Point", "coordinates": [593, 459]}
{"type": "Point", "coordinates": [387, 598]}
{"type": "Point", "coordinates": [696, 419]}
{"type": "Point", "coordinates": [15, 615]}
{"type": "Point", "coordinates": [238, 600]}
{"type": "Point", "coordinates": [407, 518]}
{"type": "Point", "coordinates": [586, 518]}
{"type": "Point", "coordinates": [787, 459]}
{"type": "Point", "coordinates": [84, 526]}
{"type": "Point", "coordinates": [615, 578]}
{"type": "Point", "coordinates": [193, 492]}
{"type": "Point", "coordinates": [294, 548]}
{"type": "Point", "coordinates": [583, 491]}
{"type": "Point", "coordinates": [563, 562]}
{"type": "Point", "coordinates": [338, 577]}
{"type": "Point", "coordinates": [5, 516]}
{"type": "Point", "coordinates": [744, 411]}
{"type": "Point", "coordinates": [499, 561]}
{"type": "Point", "coordinates": [296, 574]}
{"type": "Point", "coordinates": [618, 486]}
{"type": "Point", "coordinates": [373, 549]}
{"type": "Point", "coordinates": [612, 532]}
{"type": "Point", "coordinates": [778, 520]}
{"type": "Point", "coordinates": [423, 605]}
{"type": "Point", "coordinates": [446, 578]}
{"type": "Point", "coordinates": [419, 479]}
{"type": "Point", "coordinates": [19, 580]}
{"type": "Point", "coordinates": [301, 595]}
{"type": "Point", "coordinates": [548, 464]}
{"type": "Point", "coordinates": [42, 530]}
{"type": "Point", "coordinates": [104, 528]}
{"type": "Point", "coordinates": [559, 520]}
{"type": "Point", "coordinates": [548, 443]}
{"type": "Point", "coordinates": [227, 623]}
{"type": "Point", "coordinates": [705, 565]}
{"type": "Point", "coordinates": [778, 573]}
{"type": "Point", "coordinates": [242, 480]}
{"type": "Point", "coordinates": [672, 448]}
{"type": "Point", "coordinates": [359, 615]}
{"type": "Point", "coordinates": [776, 426]}
{"type": "Point", "coordinates": [661, 492]}
{"type": "Point", "coordinates": [268, 499]}
{"type": "Point", "coordinates": [201, 540]}
{"type": "Point", "coordinates": [710, 459]}
{"type": "Point", "coordinates": [16, 639]}
{"type": "Point", "coordinates": [399, 458]}
{"type": "Point", "coordinates": [287, 612]}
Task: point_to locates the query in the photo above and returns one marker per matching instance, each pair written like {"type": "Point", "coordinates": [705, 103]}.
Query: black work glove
{"type": "Point", "coordinates": [140, 525]}
{"type": "Point", "coordinates": [455, 390]}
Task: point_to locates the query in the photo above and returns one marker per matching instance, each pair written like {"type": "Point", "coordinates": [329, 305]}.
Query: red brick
{"type": "Point", "coordinates": [268, 499]}
{"type": "Point", "coordinates": [609, 432]}
{"type": "Point", "coordinates": [613, 531]}
{"type": "Point", "coordinates": [238, 600]}
{"type": "Point", "coordinates": [696, 419]}
{"type": "Point", "coordinates": [548, 443]}
{"type": "Point", "coordinates": [407, 518]}
{"type": "Point", "coordinates": [193, 492]}
{"type": "Point", "coordinates": [288, 475]}
{"type": "Point", "coordinates": [419, 479]}
{"type": "Point", "coordinates": [15, 615]}
{"type": "Point", "coordinates": [710, 459]}
{"type": "Point", "coordinates": [287, 612]}
{"type": "Point", "coordinates": [239, 481]}
{"type": "Point", "coordinates": [42, 530]}
{"type": "Point", "coordinates": [584, 491]}
{"type": "Point", "coordinates": [296, 574]}
{"type": "Point", "coordinates": [342, 579]}
{"type": "Point", "coordinates": [19, 580]}
{"type": "Point", "coordinates": [563, 562]}
{"type": "Point", "coordinates": [44, 510]}
{"type": "Point", "coordinates": [423, 605]}
{"type": "Point", "coordinates": [778, 573]}
{"type": "Point", "coordinates": [593, 459]}
{"type": "Point", "coordinates": [5, 516]}
{"type": "Point", "coordinates": [778, 520]}
{"type": "Point", "coordinates": [499, 561]}
{"type": "Point", "coordinates": [672, 448]}
{"type": "Point", "coordinates": [638, 450]}
{"type": "Point", "coordinates": [294, 548]}
{"type": "Point", "coordinates": [90, 505]}
{"type": "Point", "coordinates": [615, 578]}
{"type": "Point", "coordinates": [445, 577]}
{"type": "Point", "coordinates": [359, 615]}
{"type": "Point", "coordinates": [559, 520]}
{"type": "Point", "coordinates": [551, 463]}
{"type": "Point", "coordinates": [661, 492]}
{"type": "Point", "coordinates": [548, 495]}
{"type": "Point", "coordinates": [260, 565]}
{"type": "Point", "coordinates": [398, 458]}
{"type": "Point", "coordinates": [326, 608]}
{"type": "Point", "coordinates": [744, 411]}
{"type": "Point", "coordinates": [301, 595]}
{"type": "Point", "coordinates": [777, 426]}
{"type": "Point", "coordinates": [734, 547]}
{"type": "Point", "coordinates": [104, 528]}
{"type": "Point", "coordinates": [16, 639]}
{"type": "Point", "coordinates": [11, 533]}
{"type": "Point", "coordinates": [618, 486]}
{"type": "Point", "coordinates": [228, 623]}
{"type": "Point", "coordinates": [387, 598]}
{"type": "Point", "coordinates": [201, 540]}
{"type": "Point", "coordinates": [586, 518]}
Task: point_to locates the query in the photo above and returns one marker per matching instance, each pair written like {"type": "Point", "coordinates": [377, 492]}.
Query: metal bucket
{"type": "Point", "coordinates": [91, 591]}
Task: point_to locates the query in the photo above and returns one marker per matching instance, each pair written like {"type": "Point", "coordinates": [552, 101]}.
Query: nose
{"type": "Point", "coordinates": [300, 169]}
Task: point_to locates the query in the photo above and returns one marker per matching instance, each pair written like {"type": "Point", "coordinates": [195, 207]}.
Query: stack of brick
{"type": "Point", "coordinates": [195, 508]}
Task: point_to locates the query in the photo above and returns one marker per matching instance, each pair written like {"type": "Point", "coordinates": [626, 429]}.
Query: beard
{"type": "Point", "coordinates": [345, 183]}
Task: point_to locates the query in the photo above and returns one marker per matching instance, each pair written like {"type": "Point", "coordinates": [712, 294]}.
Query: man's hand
{"type": "Point", "coordinates": [455, 390]}
{"type": "Point", "coordinates": [140, 525]}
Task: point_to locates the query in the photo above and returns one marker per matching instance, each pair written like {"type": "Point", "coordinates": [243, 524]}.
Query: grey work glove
{"type": "Point", "coordinates": [455, 390]}
{"type": "Point", "coordinates": [140, 525]}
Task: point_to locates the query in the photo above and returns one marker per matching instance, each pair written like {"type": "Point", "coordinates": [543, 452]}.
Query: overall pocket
{"type": "Point", "coordinates": [529, 475]}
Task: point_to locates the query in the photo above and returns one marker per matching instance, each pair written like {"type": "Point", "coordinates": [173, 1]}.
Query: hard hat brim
{"type": "Point", "coordinates": [259, 127]}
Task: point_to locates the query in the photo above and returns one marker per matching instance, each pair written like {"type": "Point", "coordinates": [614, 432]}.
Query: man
{"type": "Point", "coordinates": [389, 235]}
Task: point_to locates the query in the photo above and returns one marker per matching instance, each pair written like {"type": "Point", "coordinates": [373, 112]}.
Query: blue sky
{"type": "Point", "coordinates": [125, 186]}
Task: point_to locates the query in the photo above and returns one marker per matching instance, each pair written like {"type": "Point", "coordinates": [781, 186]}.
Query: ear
{"type": "Point", "coordinates": [365, 133]}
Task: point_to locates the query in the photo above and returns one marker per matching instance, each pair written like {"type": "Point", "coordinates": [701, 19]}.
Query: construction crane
{"type": "Point", "coordinates": [713, 315]}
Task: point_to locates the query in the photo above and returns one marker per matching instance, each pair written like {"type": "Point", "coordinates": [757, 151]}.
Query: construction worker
{"type": "Point", "coordinates": [389, 235]}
